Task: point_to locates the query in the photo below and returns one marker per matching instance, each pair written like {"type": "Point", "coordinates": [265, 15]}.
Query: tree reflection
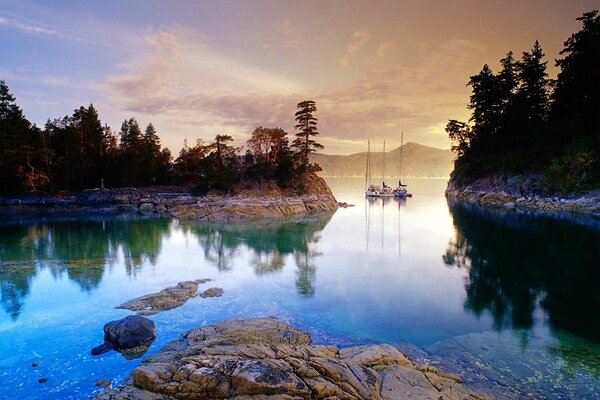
{"type": "Point", "coordinates": [83, 248]}
{"type": "Point", "coordinates": [516, 260]}
{"type": "Point", "coordinates": [79, 249]}
{"type": "Point", "coordinates": [270, 242]}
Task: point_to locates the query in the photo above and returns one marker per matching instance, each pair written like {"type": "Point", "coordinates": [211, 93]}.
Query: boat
{"type": "Point", "coordinates": [384, 190]}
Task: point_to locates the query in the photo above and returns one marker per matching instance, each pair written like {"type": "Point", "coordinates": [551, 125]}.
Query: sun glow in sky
{"type": "Point", "coordinates": [199, 68]}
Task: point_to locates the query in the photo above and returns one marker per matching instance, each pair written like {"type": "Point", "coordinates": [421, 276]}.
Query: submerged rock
{"type": "Point", "coordinates": [264, 358]}
{"type": "Point", "coordinates": [166, 299]}
{"type": "Point", "coordinates": [212, 292]}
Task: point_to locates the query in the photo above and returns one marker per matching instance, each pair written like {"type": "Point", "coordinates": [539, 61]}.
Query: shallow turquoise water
{"type": "Point", "coordinates": [450, 278]}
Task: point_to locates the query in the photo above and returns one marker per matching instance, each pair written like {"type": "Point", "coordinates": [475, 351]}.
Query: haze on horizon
{"type": "Point", "coordinates": [196, 69]}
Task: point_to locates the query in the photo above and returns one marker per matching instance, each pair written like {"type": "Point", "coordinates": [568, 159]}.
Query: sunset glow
{"type": "Point", "coordinates": [196, 69]}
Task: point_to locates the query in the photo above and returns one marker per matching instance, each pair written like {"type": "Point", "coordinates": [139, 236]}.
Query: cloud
{"type": "Point", "coordinates": [28, 27]}
{"type": "Point", "coordinates": [182, 80]}
{"type": "Point", "coordinates": [384, 49]}
{"type": "Point", "coordinates": [358, 40]}
{"type": "Point", "coordinates": [189, 88]}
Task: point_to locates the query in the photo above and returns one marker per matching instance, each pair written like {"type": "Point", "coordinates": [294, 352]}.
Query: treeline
{"type": "Point", "coordinates": [80, 152]}
{"type": "Point", "coordinates": [523, 122]}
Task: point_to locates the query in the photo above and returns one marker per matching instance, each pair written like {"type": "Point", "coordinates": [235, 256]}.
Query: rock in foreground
{"type": "Point", "coordinates": [265, 358]}
{"type": "Point", "coordinates": [131, 336]}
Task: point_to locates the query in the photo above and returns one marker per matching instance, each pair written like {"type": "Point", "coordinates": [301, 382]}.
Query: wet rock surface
{"type": "Point", "coordinates": [212, 292]}
{"type": "Point", "coordinates": [166, 299]}
{"type": "Point", "coordinates": [519, 364]}
{"type": "Point", "coordinates": [264, 358]}
{"type": "Point", "coordinates": [131, 336]}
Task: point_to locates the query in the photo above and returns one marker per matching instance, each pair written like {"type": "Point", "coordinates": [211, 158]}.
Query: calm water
{"type": "Point", "coordinates": [508, 297]}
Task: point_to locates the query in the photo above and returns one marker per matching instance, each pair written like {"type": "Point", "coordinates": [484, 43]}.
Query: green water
{"type": "Point", "coordinates": [509, 299]}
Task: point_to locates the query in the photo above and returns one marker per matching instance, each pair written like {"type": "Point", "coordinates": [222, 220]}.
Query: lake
{"type": "Point", "coordinates": [507, 298]}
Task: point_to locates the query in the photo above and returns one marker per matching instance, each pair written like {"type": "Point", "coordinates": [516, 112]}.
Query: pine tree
{"type": "Point", "coordinates": [304, 144]}
{"type": "Point", "coordinates": [577, 90]}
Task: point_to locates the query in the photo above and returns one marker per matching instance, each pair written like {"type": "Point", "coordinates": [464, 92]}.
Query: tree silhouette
{"type": "Point", "coordinates": [304, 143]}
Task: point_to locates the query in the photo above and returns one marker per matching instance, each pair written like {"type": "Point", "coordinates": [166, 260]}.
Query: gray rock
{"type": "Point", "coordinates": [264, 358]}
{"type": "Point", "coordinates": [146, 208]}
{"type": "Point", "coordinates": [130, 332]}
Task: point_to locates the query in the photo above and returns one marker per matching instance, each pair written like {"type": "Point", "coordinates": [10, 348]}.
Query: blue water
{"type": "Point", "coordinates": [420, 270]}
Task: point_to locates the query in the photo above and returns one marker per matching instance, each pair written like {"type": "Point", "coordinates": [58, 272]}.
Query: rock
{"type": "Point", "coordinates": [103, 383]}
{"type": "Point", "coordinates": [146, 208]}
{"type": "Point", "coordinates": [264, 358]}
{"type": "Point", "coordinates": [103, 348]}
{"type": "Point", "coordinates": [212, 292]}
{"type": "Point", "coordinates": [43, 380]}
{"type": "Point", "coordinates": [166, 299]}
{"type": "Point", "coordinates": [343, 204]}
{"type": "Point", "coordinates": [35, 364]}
{"type": "Point", "coordinates": [247, 201]}
{"type": "Point", "coordinates": [130, 332]}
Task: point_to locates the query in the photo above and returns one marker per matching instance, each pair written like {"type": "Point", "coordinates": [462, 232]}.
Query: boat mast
{"type": "Point", "coordinates": [368, 171]}
{"type": "Point", "coordinates": [383, 166]}
{"type": "Point", "coordinates": [401, 150]}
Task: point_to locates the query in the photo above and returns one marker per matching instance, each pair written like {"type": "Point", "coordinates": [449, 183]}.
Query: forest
{"type": "Point", "coordinates": [79, 152]}
{"type": "Point", "coordinates": [522, 122]}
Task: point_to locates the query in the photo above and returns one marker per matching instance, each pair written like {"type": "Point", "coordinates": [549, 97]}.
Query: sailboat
{"type": "Point", "coordinates": [384, 190]}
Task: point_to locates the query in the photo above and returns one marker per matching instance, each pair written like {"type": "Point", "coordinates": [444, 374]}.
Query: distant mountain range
{"type": "Point", "coordinates": [417, 161]}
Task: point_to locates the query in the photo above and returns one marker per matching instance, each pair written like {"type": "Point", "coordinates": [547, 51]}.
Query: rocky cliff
{"type": "Point", "coordinates": [522, 191]}
{"type": "Point", "coordinates": [265, 358]}
{"type": "Point", "coordinates": [246, 202]}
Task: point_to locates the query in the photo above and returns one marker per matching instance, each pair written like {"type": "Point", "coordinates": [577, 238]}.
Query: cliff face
{"type": "Point", "coordinates": [521, 192]}
{"type": "Point", "coordinates": [250, 202]}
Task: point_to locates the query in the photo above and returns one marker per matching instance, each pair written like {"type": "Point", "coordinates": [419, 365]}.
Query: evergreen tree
{"type": "Point", "coordinates": [15, 131]}
{"type": "Point", "coordinates": [304, 144]}
{"type": "Point", "coordinates": [577, 90]}
{"type": "Point", "coordinates": [130, 150]}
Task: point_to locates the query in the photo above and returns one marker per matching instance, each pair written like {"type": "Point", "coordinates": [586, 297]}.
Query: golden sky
{"type": "Point", "coordinates": [199, 68]}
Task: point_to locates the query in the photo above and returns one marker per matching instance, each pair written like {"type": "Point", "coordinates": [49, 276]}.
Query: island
{"type": "Point", "coordinates": [264, 200]}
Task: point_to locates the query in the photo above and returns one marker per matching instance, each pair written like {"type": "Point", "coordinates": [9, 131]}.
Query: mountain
{"type": "Point", "coordinates": [417, 161]}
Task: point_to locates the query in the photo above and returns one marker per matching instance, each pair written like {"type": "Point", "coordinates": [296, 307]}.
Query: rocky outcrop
{"type": "Point", "coordinates": [131, 336]}
{"type": "Point", "coordinates": [166, 299]}
{"type": "Point", "coordinates": [264, 201]}
{"type": "Point", "coordinates": [265, 358]}
{"type": "Point", "coordinates": [522, 192]}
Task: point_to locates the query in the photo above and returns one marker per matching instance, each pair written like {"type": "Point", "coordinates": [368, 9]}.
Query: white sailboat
{"type": "Point", "coordinates": [384, 190]}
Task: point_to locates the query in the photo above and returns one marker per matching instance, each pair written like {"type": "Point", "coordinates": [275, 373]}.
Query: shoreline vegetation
{"type": "Point", "coordinates": [260, 200]}
{"type": "Point", "coordinates": [532, 141]}
{"type": "Point", "coordinates": [68, 166]}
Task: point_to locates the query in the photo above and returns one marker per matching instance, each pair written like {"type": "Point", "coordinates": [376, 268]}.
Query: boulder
{"type": "Point", "coordinates": [264, 358]}
{"type": "Point", "coordinates": [130, 332]}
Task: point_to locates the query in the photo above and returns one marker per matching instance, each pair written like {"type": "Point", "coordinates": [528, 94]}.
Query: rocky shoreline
{"type": "Point", "coordinates": [520, 192]}
{"type": "Point", "coordinates": [244, 204]}
{"type": "Point", "coordinates": [264, 358]}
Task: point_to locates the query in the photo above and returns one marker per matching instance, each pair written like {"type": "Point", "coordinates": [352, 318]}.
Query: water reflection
{"type": "Point", "coordinates": [518, 262]}
{"type": "Point", "coordinates": [79, 249]}
{"type": "Point", "coordinates": [270, 244]}
{"type": "Point", "coordinates": [82, 249]}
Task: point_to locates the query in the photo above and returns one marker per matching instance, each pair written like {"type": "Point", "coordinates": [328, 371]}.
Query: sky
{"type": "Point", "coordinates": [196, 69]}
